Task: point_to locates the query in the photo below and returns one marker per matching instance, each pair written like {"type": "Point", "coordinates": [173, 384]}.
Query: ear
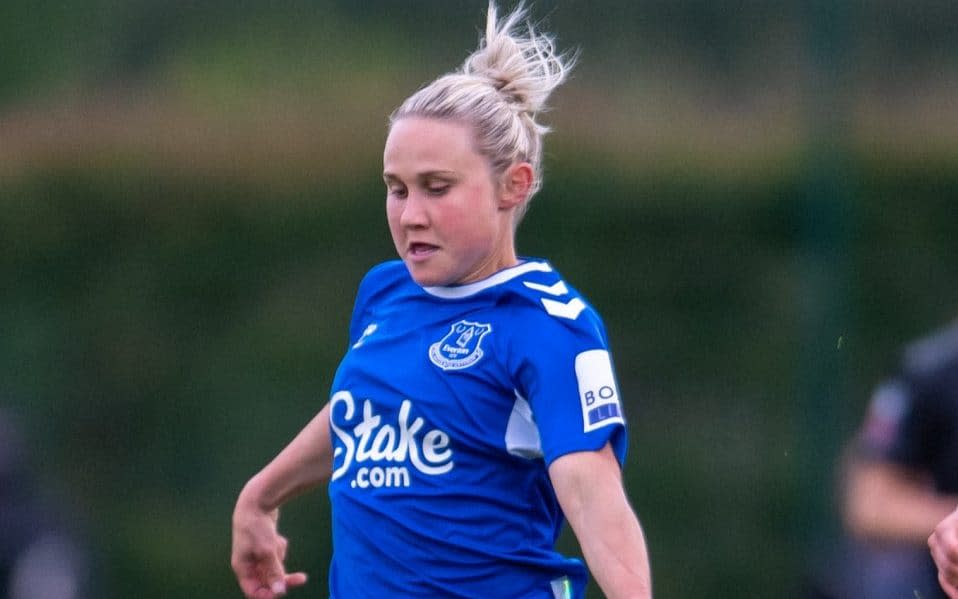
{"type": "Point", "coordinates": [516, 185]}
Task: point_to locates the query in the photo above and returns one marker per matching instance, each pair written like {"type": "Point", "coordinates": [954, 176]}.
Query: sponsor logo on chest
{"type": "Point", "coordinates": [384, 452]}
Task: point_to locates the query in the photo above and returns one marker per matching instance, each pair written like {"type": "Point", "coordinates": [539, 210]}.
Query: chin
{"type": "Point", "coordinates": [425, 278]}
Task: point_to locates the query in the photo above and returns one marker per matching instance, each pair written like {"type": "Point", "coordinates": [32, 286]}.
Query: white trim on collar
{"type": "Point", "coordinates": [500, 277]}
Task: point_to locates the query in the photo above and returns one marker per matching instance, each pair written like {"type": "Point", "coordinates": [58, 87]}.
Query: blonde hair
{"type": "Point", "coordinates": [499, 91]}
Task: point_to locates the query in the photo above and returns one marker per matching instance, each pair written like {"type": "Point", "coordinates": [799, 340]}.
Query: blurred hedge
{"type": "Point", "coordinates": [166, 336]}
{"type": "Point", "coordinates": [189, 194]}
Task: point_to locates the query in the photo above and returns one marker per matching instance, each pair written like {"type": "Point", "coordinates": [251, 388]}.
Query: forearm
{"type": "Point", "coordinates": [614, 548]}
{"type": "Point", "coordinates": [259, 550]}
{"type": "Point", "coordinates": [884, 502]}
{"type": "Point", "coordinates": [589, 488]}
{"type": "Point", "coordinates": [300, 466]}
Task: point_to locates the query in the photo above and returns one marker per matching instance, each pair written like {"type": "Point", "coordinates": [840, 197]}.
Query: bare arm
{"type": "Point", "coordinates": [888, 502]}
{"type": "Point", "coordinates": [589, 488]}
{"type": "Point", "coordinates": [258, 548]}
{"type": "Point", "coordinates": [944, 549]}
{"type": "Point", "coordinates": [302, 465]}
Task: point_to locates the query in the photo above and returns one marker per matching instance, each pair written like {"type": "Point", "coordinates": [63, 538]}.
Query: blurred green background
{"type": "Point", "coordinates": [759, 197]}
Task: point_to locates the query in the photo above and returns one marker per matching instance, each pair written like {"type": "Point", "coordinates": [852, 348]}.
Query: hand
{"type": "Point", "coordinates": [944, 549]}
{"type": "Point", "coordinates": [258, 554]}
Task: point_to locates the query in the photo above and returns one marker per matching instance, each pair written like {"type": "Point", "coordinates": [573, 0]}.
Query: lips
{"type": "Point", "coordinates": [419, 249]}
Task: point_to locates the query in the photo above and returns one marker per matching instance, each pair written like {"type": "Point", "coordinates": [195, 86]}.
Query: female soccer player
{"type": "Point", "coordinates": [477, 406]}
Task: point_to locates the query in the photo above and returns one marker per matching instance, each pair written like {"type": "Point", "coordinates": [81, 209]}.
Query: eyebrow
{"type": "Point", "coordinates": [387, 176]}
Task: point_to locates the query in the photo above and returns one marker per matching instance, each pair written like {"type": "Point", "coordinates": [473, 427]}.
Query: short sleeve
{"type": "Point", "coordinates": [900, 424]}
{"type": "Point", "coordinates": [565, 372]}
{"type": "Point", "coordinates": [884, 427]}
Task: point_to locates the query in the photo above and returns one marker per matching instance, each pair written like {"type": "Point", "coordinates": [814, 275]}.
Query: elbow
{"type": "Point", "coordinates": [860, 517]}
{"type": "Point", "coordinates": [862, 505]}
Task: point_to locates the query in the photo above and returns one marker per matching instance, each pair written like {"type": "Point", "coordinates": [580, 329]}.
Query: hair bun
{"type": "Point", "coordinates": [523, 66]}
{"type": "Point", "coordinates": [498, 91]}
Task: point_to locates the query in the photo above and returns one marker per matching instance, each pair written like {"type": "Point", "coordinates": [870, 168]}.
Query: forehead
{"type": "Point", "coordinates": [417, 143]}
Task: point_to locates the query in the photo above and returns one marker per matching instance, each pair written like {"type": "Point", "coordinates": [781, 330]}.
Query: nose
{"type": "Point", "coordinates": [414, 212]}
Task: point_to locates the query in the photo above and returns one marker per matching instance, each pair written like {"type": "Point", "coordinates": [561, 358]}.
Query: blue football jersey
{"type": "Point", "coordinates": [445, 413]}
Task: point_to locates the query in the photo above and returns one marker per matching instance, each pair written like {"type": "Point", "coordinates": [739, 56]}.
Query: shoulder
{"type": "Point", "coordinates": [391, 270]}
{"type": "Point", "coordinates": [547, 306]}
{"type": "Point", "coordinates": [381, 278]}
{"type": "Point", "coordinates": [549, 295]}
{"type": "Point", "coordinates": [933, 356]}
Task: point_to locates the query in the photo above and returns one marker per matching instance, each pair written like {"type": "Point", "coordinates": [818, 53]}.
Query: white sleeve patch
{"type": "Point", "coordinates": [598, 393]}
{"type": "Point", "coordinates": [522, 434]}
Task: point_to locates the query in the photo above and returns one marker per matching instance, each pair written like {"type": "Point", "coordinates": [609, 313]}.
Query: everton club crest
{"type": "Point", "coordinates": [460, 348]}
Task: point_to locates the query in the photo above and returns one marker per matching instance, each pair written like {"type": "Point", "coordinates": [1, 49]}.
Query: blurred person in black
{"type": "Point", "coordinates": [900, 476]}
{"type": "Point", "coordinates": [39, 558]}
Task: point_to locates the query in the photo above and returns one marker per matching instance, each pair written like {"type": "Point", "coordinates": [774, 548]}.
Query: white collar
{"type": "Point", "coordinates": [461, 291]}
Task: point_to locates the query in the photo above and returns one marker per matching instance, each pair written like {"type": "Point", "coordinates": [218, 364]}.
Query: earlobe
{"type": "Point", "coordinates": [516, 185]}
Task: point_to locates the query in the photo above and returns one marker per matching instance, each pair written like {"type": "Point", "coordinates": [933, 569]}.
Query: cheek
{"type": "Point", "coordinates": [393, 211]}
{"type": "Point", "coordinates": [461, 225]}
{"type": "Point", "coordinates": [475, 213]}
{"type": "Point", "coordinates": [393, 214]}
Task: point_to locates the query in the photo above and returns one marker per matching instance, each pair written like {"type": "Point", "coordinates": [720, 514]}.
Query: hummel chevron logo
{"type": "Point", "coordinates": [557, 289]}
{"type": "Point", "coordinates": [570, 310]}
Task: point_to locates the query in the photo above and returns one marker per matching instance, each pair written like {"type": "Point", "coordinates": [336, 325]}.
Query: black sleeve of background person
{"type": "Point", "coordinates": [928, 440]}
{"type": "Point", "coordinates": [909, 447]}
{"type": "Point", "coordinates": [941, 388]}
{"type": "Point", "coordinates": [920, 435]}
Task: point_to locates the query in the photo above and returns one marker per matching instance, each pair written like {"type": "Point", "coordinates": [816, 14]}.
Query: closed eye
{"type": "Point", "coordinates": [398, 192]}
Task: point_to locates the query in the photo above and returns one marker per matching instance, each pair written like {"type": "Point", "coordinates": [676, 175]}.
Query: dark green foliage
{"type": "Point", "coordinates": [165, 337]}
{"type": "Point", "coordinates": [193, 195]}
